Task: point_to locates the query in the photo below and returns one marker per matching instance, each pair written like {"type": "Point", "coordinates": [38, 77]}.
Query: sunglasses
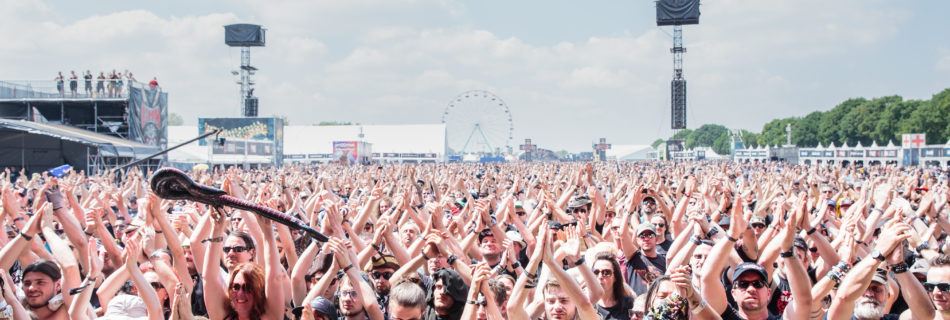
{"type": "Point", "coordinates": [384, 275]}
{"type": "Point", "coordinates": [758, 284]}
{"type": "Point", "coordinates": [605, 272]}
{"type": "Point", "coordinates": [236, 249]}
{"type": "Point", "coordinates": [236, 287]}
{"type": "Point", "coordinates": [348, 293]}
{"type": "Point", "coordinates": [758, 226]}
{"type": "Point", "coordinates": [813, 249]}
{"type": "Point", "coordinates": [647, 236]}
{"type": "Point", "coordinates": [942, 286]}
{"type": "Point", "coordinates": [660, 225]}
{"type": "Point", "coordinates": [520, 213]}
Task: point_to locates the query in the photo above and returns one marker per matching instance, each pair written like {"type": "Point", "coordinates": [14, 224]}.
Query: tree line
{"type": "Point", "coordinates": [855, 120]}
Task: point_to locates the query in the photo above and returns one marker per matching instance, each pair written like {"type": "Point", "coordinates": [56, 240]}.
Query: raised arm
{"type": "Point", "coordinates": [273, 272]}
{"type": "Point", "coordinates": [859, 278]}
{"type": "Point", "coordinates": [585, 309]}
{"type": "Point", "coordinates": [712, 288]}
{"type": "Point", "coordinates": [215, 295]}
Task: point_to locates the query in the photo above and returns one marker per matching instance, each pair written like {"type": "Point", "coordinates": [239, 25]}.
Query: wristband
{"type": "Point", "coordinates": [787, 254]}
{"type": "Point", "coordinates": [218, 239]}
{"type": "Point", "coordinates": [515, 265]}
{"type": "Point", "coordinates": [451, 259]}
{"type": "Point", "coordinates": [696, 240]}
{"type": "Point", "coordinates": [711, 233]}
{"type": "Point", "coordinates": [899, 268]}
{"type": "Point", "coordinates": [579, 262]}
{"type": "Point", "coordinates": [923, 246]}
{"type": "Point", "coordinates": [731, 238]}
{"type": "Point", "coordinates": [811, 231]}
{"type": "Point", "coordinates": [347, 268]}
{"type": "Point", "coordinates": [695, 310]}
{"type": "Point", "coordinates": [28, 238]}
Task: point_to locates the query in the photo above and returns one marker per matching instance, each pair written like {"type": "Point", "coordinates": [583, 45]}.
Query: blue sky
{"type": "Point", "coordinates": [570, 71]}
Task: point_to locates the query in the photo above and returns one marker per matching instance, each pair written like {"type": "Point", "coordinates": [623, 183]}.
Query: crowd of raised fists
{"type": "Point", "coordinates": [650, 240]}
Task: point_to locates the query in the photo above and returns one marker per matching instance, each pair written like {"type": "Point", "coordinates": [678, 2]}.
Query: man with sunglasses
{"type": "Point", "coordinates": [938, 286]}
{"type": "Point", "coordinates": [383, 268]}
{"type": "Point", "coordinates": [644, 262]}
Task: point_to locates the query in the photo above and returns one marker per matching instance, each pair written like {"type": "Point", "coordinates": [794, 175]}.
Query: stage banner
{"type": "Point", "coordinates": [148, 116]}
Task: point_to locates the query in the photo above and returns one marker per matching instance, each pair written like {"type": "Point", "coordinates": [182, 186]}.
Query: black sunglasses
{"type": "Point", "coordinates": [241, 287]}
{"type": "Point", "coordinates": [758, 284]}
{"type": "Point", "coordinates": [813, 249]}
{"type": "Point", "coordinates": [942, 286]}
{"type": "Point", "coordinates": [384, 275]}
{"type": "Point", "coordinates": [236, 249]}
{"type": "Point", "coordinates": [604, 272]}
{"type": "Point", "coordinates": [660, 225]}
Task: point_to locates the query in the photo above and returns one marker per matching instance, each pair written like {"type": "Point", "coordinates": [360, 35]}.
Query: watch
{"type": "Point", "coordinates": [923, 246]}
{"type": "Point", "coordinates": [877, 255]}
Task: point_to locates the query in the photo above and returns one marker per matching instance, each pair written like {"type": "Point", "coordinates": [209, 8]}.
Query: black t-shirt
{"type": "Point", "coordinates": [641, 270]}
{"type": "Point", "coordinates": [732, 314]}
{"type": "Point", "coordinates": [620, 311]}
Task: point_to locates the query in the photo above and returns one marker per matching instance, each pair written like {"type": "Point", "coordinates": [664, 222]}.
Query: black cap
{"type": "Point", "coordinates": [324, 306]}
{"type": "Point", "coordinates": [800, 243]}
{"type": "Point", "coordinates": [484, 234]}
{"type": "Point", "coordinates": [749, 267]}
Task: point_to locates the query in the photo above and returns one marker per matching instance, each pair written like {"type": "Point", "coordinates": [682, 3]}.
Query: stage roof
{"type": "Point", "coordinates": [108, 145]}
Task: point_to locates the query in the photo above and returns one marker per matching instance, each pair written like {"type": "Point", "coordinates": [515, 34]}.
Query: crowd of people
{"type": "Point", "coordinates": [652, 240]}
{"type": "Point", "coordinates": [107, 85]}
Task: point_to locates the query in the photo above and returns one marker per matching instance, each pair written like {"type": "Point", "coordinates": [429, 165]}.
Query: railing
{"type": "Point", "coordinates": [67, 89]}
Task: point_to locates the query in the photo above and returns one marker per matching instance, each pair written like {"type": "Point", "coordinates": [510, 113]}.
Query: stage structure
{"type": "Point", "coordinates": [245, 36]}
{"type": "Point", "coordinates": [130, 111]}
{"type": "Point", "coordinates": [677, 13]}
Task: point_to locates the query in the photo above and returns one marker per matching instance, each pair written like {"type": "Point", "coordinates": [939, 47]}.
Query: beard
{"type": "Point", "coordinates": [868, 309]}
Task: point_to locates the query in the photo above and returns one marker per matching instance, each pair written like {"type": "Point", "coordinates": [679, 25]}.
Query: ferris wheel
{"type": "Point", "coordinates": [478, 121]}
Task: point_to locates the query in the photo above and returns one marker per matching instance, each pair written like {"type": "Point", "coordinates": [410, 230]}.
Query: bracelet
{"type": "Point", "coordinates": [159, 231]}
{"type": "Point", "coordinates": [474, 302]}
{"type": "Point", "coordinates": [787, 254]}
{"type": "Point", "coordinates": [711, 233]}
{"type": "Point", "coordinates": [218, 239]}
{"type": "Point", "coordinates": [811, 231]}
{"type": "Point", "coordinates": [899, 268]}
{"type": "Point", "coordinates": [696, 240]}
{"type": "Point", "coordinates": [579, 262]}
{"type": "Point", "coordinates": [531, 276]}
{"type": "Point", "coordinates": [28, 238]}
{"type": "Point", "coordinates": [451, 259]}
{"type": "Point", "coordinates": [347, 268]}
{"type": "Point", "coordinates": [923, 246]}
{"type": "Point", "coordinates": [731, 238]}
{"type": "Point", "coordinates": [375, 247]}
{"type": "Point", "coordinates": [515, 265]}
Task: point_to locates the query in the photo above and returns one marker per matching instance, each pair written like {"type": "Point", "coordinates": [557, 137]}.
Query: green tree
{"type": "Point", "coordinates": [773, 133]}
{"type": "Point", "coordinates": [805, 133]}
{"type": "Point", "coordinates": [723, 144]}
{"type": "Point", "coordinates": [706, 135]}
{"type": "Point", "coordinates": [657, 143]}
{"type": "Point", "coordinates": [749, 138]}
{"type": "Point", "coordinates": [174, 119]}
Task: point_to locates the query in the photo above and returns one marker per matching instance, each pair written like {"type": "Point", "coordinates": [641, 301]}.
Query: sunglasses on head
{"type": "Point", "coordinates": [236, 249]}
{"type": "Point", "coordinates": [941, 286]}
{"type": "Point", "coordinates": [384, 275]}
{"type": "Point", "coordinates": [758, 284]}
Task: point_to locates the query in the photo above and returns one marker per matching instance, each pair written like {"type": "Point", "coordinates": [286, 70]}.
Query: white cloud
{"type": "Point", "coordinates": [401, 61]}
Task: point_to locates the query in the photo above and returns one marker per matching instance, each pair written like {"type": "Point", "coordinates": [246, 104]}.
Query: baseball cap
{"type": "Point", "coordinates": [749, 267]}
{"type": "Point", "coordinates": [126, 307]}
{"type": "Point", "coordinates": [386, 260]}
{"type": "Point", "coordinates": [800, 243]}
{"type": "Point", "coordinates": [880, 276]}
{"type": "Point", "coordinates": [324, 307]}
{"type": "Point", "coordinates": [516, 237]}
{"type": "Point", "coordinates": [921, 266]}
{"type": "Point", "coordinates": [756, 220]}
{"type": "Point", "coordinates": [643, 227]}
{"type": "Point", "coordinates": [579, 202]}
